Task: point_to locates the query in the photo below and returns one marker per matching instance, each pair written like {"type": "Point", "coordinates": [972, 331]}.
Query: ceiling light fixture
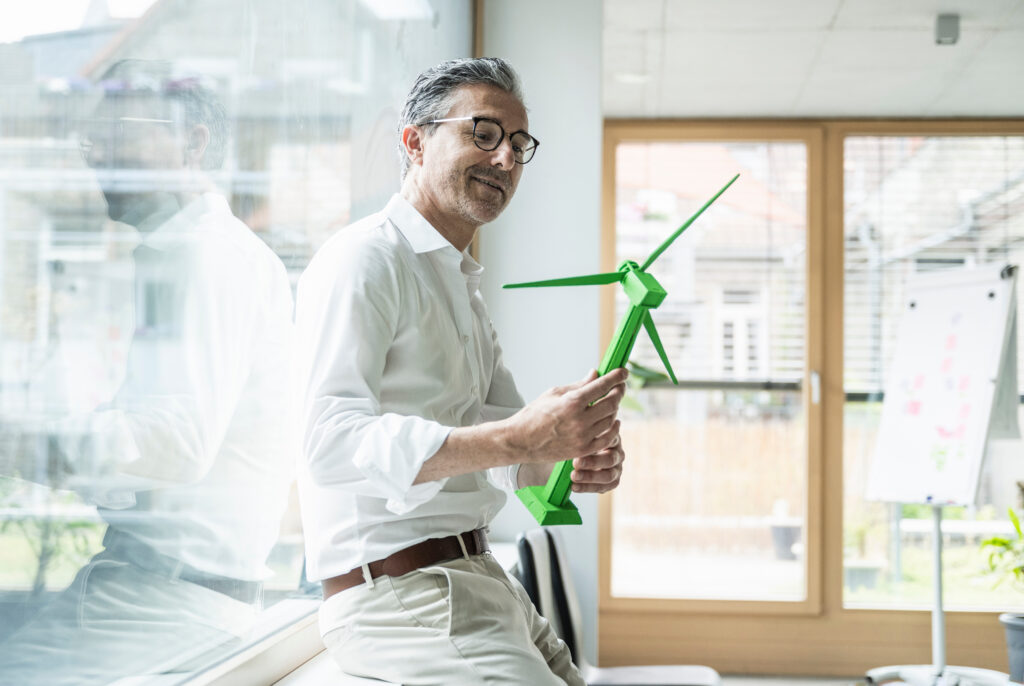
{"type": "Point", "coordinates": [947, 29]}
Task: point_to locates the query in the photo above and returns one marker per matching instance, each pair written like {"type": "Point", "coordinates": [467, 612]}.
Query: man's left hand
{"type": "Point", "coordinates": [601, 471]}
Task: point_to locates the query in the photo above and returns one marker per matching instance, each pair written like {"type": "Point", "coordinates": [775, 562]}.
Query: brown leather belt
{"type": "Point", "coordinates": [422, 554]}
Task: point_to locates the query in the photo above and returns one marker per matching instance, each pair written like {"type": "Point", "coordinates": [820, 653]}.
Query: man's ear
{"type": "Point", "coordinates": [195, 146]}
{"type": "Point", "coordinates": [412, 141]}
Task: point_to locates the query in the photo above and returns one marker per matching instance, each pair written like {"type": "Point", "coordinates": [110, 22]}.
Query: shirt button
{"type": "Point", "coordinates": [465, 339]}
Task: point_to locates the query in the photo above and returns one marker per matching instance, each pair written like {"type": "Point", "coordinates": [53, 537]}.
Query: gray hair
{"type": "Point", "coordinates": [138, 80]}
{"type": "Point", "coordinates": [434, 90]}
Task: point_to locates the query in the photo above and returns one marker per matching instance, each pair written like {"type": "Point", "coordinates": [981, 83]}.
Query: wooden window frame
{"type": "Point", "coordinates": [816, 636]}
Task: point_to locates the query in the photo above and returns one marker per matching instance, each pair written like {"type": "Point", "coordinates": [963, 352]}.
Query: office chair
{"type": "Point", "coordinates": [544, 572]}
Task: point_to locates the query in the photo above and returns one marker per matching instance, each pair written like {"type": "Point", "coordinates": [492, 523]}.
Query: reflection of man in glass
{"type": "Point", "coordinates": [188, 462]}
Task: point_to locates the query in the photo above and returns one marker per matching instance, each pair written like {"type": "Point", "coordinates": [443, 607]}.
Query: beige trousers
{"type": "Point", "coordinates": [460, 622]}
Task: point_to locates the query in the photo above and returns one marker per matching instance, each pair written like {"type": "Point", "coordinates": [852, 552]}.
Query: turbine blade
{"type": "Point", "coordinates": [653, 333]}
{"type": "Point", "coordinates": [661, 248]}
{"type": "Point", "coordinates": [586, 280]}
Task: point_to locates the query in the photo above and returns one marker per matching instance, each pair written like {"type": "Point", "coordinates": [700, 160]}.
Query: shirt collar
{"type": "Point", "coordinates": [472, 271]}
{"type": "Point", "coordinates": [422, 236]}
{"type": "Point", "coordinates": [185, 222]}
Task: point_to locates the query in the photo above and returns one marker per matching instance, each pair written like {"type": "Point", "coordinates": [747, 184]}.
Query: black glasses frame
{"type": "Point", "coordinates": [117, 126]}
{"type": "Point", "coordinates": [527, 155]}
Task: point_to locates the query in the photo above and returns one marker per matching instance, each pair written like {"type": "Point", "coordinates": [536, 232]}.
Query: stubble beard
{"type": "Point", "coordinates": [469, 202]}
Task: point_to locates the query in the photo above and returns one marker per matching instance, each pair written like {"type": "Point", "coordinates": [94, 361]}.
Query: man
{"type": "Point", "coordinates": [187, 461]}
{"type": "Point", "coordinates": [411, 417]}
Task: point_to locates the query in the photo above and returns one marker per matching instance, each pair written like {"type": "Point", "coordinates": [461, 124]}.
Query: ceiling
{"type": "Point", "coordinates": [811, 58]}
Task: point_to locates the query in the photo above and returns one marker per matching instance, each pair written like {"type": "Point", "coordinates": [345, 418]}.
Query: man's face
{"type": "Point", "coordinates": [473, 184]}
{"type": "Point", "coordinates": [132, 134]}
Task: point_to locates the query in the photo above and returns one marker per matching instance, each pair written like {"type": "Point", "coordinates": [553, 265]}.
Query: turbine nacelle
{"type": "Point", "coordinates": [641, 288]}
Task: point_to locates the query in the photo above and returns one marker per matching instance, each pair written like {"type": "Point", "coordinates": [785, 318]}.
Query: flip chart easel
{"type": "Point", "coordinates": [952, 386]}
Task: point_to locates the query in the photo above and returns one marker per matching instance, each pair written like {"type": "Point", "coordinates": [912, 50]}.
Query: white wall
{"type": "Point", "coordinates": [551, 228]}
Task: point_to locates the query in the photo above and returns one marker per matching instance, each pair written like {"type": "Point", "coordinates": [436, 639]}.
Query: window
{"type": "Point", "coordinates": [786, 360]}
{"type": "Point", "coordinates": [915, 204]}
{"type": "Point", "coordinates": [719, 464]}
{"type": "Point", "coordinates": [728, 348]}
{"type": "Point", "coordinates": [164, 179]}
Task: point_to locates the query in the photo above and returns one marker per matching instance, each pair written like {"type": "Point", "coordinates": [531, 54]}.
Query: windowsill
{"type": "Point", "coordinates": [293, 655]}
{"type": "Point", "coordinates": [290, 637]}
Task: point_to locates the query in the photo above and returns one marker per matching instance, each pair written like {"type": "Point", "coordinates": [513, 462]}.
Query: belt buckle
{"type": "Point", "coordinates": [479, 541]}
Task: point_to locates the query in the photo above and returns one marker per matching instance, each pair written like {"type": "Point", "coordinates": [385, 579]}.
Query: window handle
{"type": "Point", "coordinates": [815, 387]}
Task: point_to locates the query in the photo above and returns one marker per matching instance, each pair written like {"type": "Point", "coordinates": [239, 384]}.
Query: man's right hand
{"type": "Point", "coordinates": [569, 421]}
{"type": "Point", "coordinates": [565, 423]}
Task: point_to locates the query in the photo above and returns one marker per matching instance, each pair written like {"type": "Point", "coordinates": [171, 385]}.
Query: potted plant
{"type": "Point", "coordinates": [1006, 559]}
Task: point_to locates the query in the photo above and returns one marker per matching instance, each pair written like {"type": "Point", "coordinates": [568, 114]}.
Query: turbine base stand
{"type": "Point", "coordinates": [547, 513]}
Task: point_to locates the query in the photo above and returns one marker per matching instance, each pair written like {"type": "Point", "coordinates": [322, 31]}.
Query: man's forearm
{"type": "Point", "coordinates": [470, 449]}
{"type": "Point", "coordinates": [565, 422]}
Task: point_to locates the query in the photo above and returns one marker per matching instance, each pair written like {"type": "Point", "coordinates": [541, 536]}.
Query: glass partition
{"type": "Point", "coordinates": [915, 204]}
{"type": "Point", "coordinates": [167, 169]}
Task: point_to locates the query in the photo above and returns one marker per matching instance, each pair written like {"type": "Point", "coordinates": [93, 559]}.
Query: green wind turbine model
{"type": "Point", "coordinates": [550, 504]}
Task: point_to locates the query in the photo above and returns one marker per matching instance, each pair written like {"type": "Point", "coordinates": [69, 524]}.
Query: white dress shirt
{"type": "Point", "coordinates": [192, 455]}
{"type": "Point", "coordinates": [396, 349]}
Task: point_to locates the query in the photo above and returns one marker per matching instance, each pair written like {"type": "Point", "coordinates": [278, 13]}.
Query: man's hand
{"type": "Point", "coordinates": [572, 421]}
{"type": "Point", "coordinates": [600, 472]}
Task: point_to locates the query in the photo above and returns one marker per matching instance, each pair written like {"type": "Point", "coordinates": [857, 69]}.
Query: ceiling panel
{"type": "Point", "coordinates": [636, 15]}
{"type": "Point", "coordinates": [631, 60]}
{"type": "Point", "coordinates": [1015, 19]}
{"type": "Point", "coordinates": [631, 53]}
{"type": "Point", "coordinates": [920, 14]}
{"type": "Point", "coordinates": [749, 15]}
{"type": "Point", "coordinates": [793, 58]}
{"type": "Point", "coordinates": [706, 73]}
{"type": "Point", "coordinates": [630, 100]}
{"type": "Point", "coordinates": [994, 77]}
{"type": "Point", "coordinates": [882, 73]}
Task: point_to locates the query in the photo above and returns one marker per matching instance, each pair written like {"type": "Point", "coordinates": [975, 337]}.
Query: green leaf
{"type": "Point", "coordinates": [645, 373]}
{"type": "Point", "coordinates": [630, 403]}
{"type": "Point", "coordinates": [997, 542]}
{"type": "Point", "coordinates": [1016, 522]}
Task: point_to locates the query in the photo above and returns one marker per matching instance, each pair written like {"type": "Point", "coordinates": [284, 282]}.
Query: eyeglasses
{"type": "Point", "coordinates": [488, 135]}
{"type": "Point", "coordinates": [109, 131]}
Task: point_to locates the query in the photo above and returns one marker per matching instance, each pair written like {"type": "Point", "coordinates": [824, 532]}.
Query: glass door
{"type": "Point", "coordinates": [718, 477]}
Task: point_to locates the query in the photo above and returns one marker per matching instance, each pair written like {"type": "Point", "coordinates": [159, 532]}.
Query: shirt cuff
{"type": "Point", "coordinates": [506, 478]}
{"type": "Point", "coordinates": [393, 454]}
